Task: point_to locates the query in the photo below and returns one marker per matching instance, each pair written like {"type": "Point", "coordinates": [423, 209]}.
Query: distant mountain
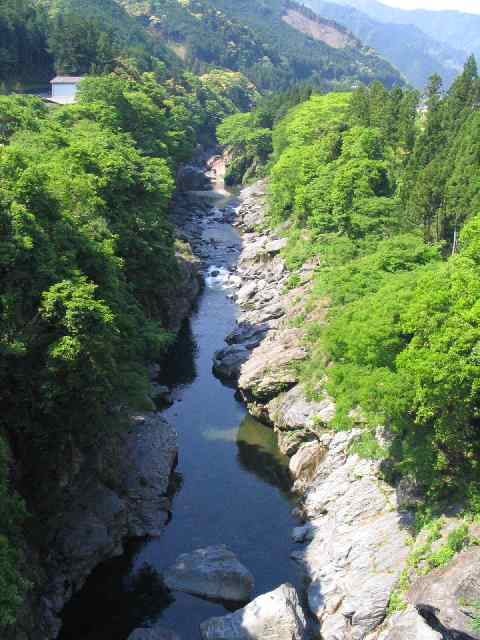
{"type": "Point", "coordinates": [412, 51]}
{"type": "Point", "coordinates": [454, 28]}
{"type": "Point", "coordinates": [275, 43]}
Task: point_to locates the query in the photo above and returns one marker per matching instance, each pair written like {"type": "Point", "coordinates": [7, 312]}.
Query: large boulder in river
{"type": "Point", "coordinates": [193, 179]}
{"type": "Point", "coordinates": [228, 362]}
{"type": "Point", "coordinates": [273, 616]}
{"type": "Point", "coordinates": [213, 572]}
{"type": "Point", "coordinates": [450, 594]}
{"type": "Point", "coordinates": [153, 633]}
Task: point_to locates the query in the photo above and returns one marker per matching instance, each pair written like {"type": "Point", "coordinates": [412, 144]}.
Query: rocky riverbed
{"type": "Point", "coordinates": [355, 538]}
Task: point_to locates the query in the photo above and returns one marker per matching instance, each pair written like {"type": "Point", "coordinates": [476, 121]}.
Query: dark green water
{"type": "Point", "coordinates": [231, 487]}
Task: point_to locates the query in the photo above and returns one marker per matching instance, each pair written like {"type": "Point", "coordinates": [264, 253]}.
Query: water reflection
{"type": "Point", "coordinates": [258, 453]}
{"type": "Point", "coordinates": [179, 365]}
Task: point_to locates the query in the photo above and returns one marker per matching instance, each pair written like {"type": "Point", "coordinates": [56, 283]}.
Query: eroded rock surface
{"type": "Point", "coordinates": [213, 572]}
{"type": "Point", "coordinates": [409, 625]}
{"type": "Point", "coordinates": [273, 616]}
{"type": "Point", "coordinates": [451, 594]}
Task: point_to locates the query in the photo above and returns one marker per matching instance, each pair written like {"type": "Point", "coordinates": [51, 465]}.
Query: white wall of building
{"type": "Point", "coordinates": [64, 90]}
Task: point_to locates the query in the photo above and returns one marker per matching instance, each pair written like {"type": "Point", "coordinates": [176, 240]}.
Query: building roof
{"type": "Point", "coordinates": [60, 100]}
{"type": "Point", "coordinates": [66, 79]}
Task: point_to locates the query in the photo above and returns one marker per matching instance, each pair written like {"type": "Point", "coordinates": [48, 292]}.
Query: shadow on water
{"type": "Point", "coordinates": [115, 601]}
{"type": "Point", "coordinates": [231, 487]}
{"type": "Point", "coordinates": [178, 368]}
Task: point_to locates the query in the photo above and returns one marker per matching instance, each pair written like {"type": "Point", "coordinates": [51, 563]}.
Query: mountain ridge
{"type": "Point", "coordinates": [414, 53]}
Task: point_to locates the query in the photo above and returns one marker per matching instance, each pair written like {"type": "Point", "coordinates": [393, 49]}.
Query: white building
{"type": "Point", "coordinates": [64, 89]}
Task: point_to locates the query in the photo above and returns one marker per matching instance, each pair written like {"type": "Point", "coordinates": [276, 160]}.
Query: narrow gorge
{"type": "Point", "coordinates": [259, 470]}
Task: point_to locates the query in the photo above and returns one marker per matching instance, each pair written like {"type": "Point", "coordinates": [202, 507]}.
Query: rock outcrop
{"type": "Point", "coordinates": [119, 493]}
{"type": "Point", "coordinates": [272, 616]}
{"type": "Point", "coordinates": [192, 178]}
{"type": "Point", "coordinates": [409, 625]}
{"type": "Point", "coordinates": [450, 595]}
{"type": "Point", "coordinates": [213, 572]}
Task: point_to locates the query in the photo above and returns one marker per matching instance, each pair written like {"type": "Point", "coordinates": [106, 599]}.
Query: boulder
{"type": "Point", "coordinates": [270, 369]}
{"type": "Point", "coordinates": [153, 633]}
{"type": "Point", "coordinates": [273, 616]}
{"type": "Point", "coordinates": [292, 410]}
{"type": "Point", "coordinates": [193, 179]}
{"type": "Point", "coordinates": [408, 625]}
{"type": "Point", "coordinates": [228, 362]}
{"type": "Point", "coordinates": [247, 335]}
{"type": "Point", "coordinates": [213, 572]}
{"type": "Point", "coordinates": [449, 594]}
{"type": "Point", "coordinates": [303, 465]}
{"type": "Point", "coordinates": [275, 246]}
{"type": "Point", "coordinates": [247, 292]}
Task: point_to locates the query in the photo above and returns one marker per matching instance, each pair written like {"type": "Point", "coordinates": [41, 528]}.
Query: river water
{"type": "Point", "coordinates": [231, 485]}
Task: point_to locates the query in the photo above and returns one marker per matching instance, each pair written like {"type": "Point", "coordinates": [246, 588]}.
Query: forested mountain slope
{"type": "Point", "coordinates": [454, 28]}
{"type": "Point", "coordinates": [416, 54]}
{"type": "Point", "coordinates": [254, 37]}
{"type": "Point", "coordinates": [41, 37]}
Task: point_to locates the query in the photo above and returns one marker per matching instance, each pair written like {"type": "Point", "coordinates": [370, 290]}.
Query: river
{"type": "Point", "coordinates": [231, 485]}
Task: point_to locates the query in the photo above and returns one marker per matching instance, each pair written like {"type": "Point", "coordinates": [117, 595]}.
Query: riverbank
{"type": "Point", "coordinates": [355, 543]}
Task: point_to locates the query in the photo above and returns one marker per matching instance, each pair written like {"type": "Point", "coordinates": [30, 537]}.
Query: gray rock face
{"type": "Point", "coordinates": [269, 370]}
{"type": "Point", "coordinates": [273, 616]}
{"type": "Point", "coordinates": [227, 362]}
{"type": "Point", "coordinates": [275, 246]}
{"type": "Point", "coordinates": [193, 179]}
{"type": "Point", "coordinates": [304, 464]}
{"type": "Point", "coordinates": [450, 593]}
{"type": "Point", "coordinates": [153, 633]}
{"type": "Point", "coordinates": [119, 491]}
{"type": "Point", "coordinates": [213, 572]}
{"type": "Point", "coordinates": [359, 542]}
{"type": "Point", "coordinates": [409, 625]}
{"type": "Point", "coordinates": [292, 411]}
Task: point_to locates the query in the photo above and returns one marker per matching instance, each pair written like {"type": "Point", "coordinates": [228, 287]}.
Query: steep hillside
{"type": "Point", "coordinates": [23, 46]}
{"type": "Point", "coordinates": [413, 52]}
{"type": "Point", "coordinates": [457, 29]}
{"type": "Point", "coordinates": [276, 43]}
{"type": "Point", "coordinates": [319, 29]}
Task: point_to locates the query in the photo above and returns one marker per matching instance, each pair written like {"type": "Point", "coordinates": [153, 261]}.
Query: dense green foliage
{"type": "Point", "coordinates": [248, 136]}
{"type": "Point", "coordinates": [385, 199]}
{"type": "Point", "coordinates": [23, 43]}
{"type": "Point", "coordinates": [251, 37]}
{"type": "Point", "coordinates": [416, 54]}
{"type": "Point", "coordinates": [73, 37]}
{"type": "Point", "coordinates": [88, 265]}
{"type": "Point", "coordinates": [86, 36]}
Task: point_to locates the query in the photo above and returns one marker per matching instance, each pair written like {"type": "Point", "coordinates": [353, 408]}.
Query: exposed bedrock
{"type": "Point", "coordinates": [272, 616]}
